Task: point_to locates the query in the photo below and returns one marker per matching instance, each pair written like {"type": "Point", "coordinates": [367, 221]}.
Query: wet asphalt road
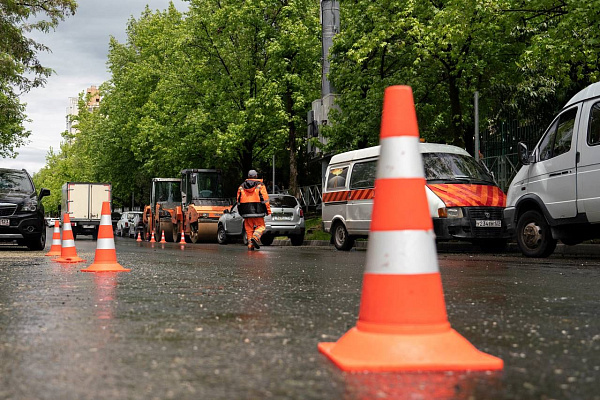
{"type": "Point", "coordinates": [217, 322]}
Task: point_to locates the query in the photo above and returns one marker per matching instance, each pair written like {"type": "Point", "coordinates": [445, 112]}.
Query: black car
{"type": "Point", "coordinates": [21, 210]}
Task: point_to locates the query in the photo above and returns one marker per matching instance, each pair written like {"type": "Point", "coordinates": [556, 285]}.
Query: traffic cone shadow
{"type": "Point", "coordinates": [56, 247]}
{"type": "Point", "coordinates": [402, 323]}
{"type": "Point", "coordinates": [68, 253]}
{"type": "Point", "coordinates": [105, 259]}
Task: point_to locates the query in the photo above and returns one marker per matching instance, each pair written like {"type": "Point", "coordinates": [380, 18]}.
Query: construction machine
{"type": "Point", "coordinates": [161, 215]}
{"type": "Point", "coordinates": [202, 203]}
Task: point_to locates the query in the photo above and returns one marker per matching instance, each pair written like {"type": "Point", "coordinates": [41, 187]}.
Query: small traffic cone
{"type": "Point", "coordinates": [182, 240]}
{"type": "Point", "coordinates": [152, 240]}
{"type": "Point", "coordinates": [162, 239]}
{"type": "Point", "coordinates": [68, 253]}
{"type": "Point", "coordinates": [139, 238]}
{"type": "Point", "coordinates": [106, 255]}
{"type": "Point", "coordinates": [402, 323]}
{"type": "Point", "coordinates": [56, 247]}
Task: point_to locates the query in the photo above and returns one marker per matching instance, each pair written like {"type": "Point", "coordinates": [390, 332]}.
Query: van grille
{"type": "Point", "coordinates": [493, 213]}
{"type": "Point", "coordinates": [6, 210]}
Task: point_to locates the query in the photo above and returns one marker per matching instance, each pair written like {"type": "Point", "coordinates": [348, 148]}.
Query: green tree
{"type": "Point", "coordinates": [20, 69]}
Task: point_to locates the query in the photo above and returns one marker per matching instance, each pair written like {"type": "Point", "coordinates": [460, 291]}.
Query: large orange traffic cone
{"type": "Point", "coordinates": [68, 253]}
{"type": "Point", "coordinates": [56, 247]}
{"type": "Point", "coordinates": [152, 240]}
{"type": "Point", "coordinates": [106, 255]}
{"type": "Point", "coordinates": [139, 238]}
{"type": "Point", "coordinates": [162, 239]}
{"type": "Point", "coordinates": [402, 322]}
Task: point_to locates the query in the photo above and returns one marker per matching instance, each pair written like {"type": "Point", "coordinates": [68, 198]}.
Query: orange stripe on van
{"type": "Point", "coordinates": [467, 195]}
{"type": "Point", "coordinates": [360, 194]}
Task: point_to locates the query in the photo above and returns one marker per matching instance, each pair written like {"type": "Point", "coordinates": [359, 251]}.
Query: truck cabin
{"type": "Point", "coordinates": [202, 187]}
{"type": "Point", "coordinates": [166, 192]}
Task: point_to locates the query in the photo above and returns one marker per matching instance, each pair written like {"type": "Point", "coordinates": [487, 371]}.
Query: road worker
{"type": "Point", "coordinates": [253, 205]}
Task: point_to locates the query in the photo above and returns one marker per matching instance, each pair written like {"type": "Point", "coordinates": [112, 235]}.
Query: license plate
{"type": "Point", "coordinates": [488, 223]}
{"type": "Point", "coordinates": [4, 222]}
{"type": "Point", "coordinates": [88, 226]}
{"type": "Point", "coordinates": [281, 218]}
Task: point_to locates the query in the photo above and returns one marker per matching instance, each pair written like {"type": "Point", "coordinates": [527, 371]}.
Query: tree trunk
{"type": "Point", "coordinates": [457, 127]}
{"type": "Point", "coordinates": [289, 108]}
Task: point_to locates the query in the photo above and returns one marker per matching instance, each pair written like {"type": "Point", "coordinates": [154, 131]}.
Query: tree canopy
{"type": "Point", "coordinates": [228, 84]}
{"type": "Point", "coordinates": [20, 68]}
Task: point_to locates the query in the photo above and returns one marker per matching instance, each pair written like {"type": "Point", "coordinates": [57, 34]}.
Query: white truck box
{"type": "Point", "coordinates": [83, 202]}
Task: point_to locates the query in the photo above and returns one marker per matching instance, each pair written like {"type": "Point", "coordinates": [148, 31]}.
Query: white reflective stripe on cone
{"type": "Point", "coordinates": [68, 243]}
{"type": "Point", "coordinates": [105, 220]}
{"type": "Point", "coordinates": [105, 244]}
{"type": "Point", "coordinates": [67, 227]}
{"type": "Point", "coordinates": [400, 158]}
{"type": "Point", "coordinates": [408, 252]}
{"type": "Point", "coordinates": [55, 241]}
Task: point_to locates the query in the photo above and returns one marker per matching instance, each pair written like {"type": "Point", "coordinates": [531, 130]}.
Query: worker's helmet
{"type": "Point", "coordinates": [252, 174]}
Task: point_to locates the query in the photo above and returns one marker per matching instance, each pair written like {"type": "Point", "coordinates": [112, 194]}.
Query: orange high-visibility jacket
{"type": "Point", "coordinates": [252, 199]}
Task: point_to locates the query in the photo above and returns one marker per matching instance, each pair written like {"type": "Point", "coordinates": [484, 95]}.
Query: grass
{"type": "Point", "coordinates": [314, 229]}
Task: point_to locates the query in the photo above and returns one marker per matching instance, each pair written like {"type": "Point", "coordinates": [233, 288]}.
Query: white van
{"type": "Point", "coordinates": [556, 193]}
{"type": "Point", "coordinates": [464, 201]}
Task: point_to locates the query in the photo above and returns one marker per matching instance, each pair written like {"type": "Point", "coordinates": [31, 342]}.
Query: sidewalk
{"type": "Point", "coordinates": [580, 250]}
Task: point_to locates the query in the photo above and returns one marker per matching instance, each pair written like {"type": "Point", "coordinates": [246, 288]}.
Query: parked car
{"type": "Point", "coordinates": [21, 209]}
{"type": "Point", "coordinates": [127, 224]}
{"type": "Point", "coordinates": [286, 219]}
{"type": "Point", "coordinates": [50, 222]}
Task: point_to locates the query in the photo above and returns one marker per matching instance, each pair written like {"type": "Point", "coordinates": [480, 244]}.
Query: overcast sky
{"type": "Point", "coordinates": [79, 52]}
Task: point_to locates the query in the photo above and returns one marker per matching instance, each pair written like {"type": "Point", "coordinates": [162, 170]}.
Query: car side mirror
{"type": "Point", "coordinates": [43, 193]}
{"type": "Point", "coordinates": [523, 154]}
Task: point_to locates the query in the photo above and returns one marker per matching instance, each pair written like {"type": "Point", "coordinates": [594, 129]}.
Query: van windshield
{"type": "Point", "coordinates": [453, 168]}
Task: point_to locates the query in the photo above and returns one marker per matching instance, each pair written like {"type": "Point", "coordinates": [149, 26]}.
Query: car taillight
{"type": "Point", "coordinates": [301, 213]}
{"type": "Point", "coordinates": [126, 225]}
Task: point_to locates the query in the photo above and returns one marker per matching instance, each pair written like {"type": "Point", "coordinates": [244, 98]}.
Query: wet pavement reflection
{"type": "Point", "coordinates": [218, 322]}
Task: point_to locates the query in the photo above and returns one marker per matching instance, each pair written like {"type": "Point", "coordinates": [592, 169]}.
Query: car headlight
{"type": "Point", "coordinates": [450, 212]}
{"type": "Point", "coordinates": [31, 206]}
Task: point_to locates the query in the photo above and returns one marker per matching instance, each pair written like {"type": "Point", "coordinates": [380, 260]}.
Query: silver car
{"type": "Point", "coordinates": [286, 219]}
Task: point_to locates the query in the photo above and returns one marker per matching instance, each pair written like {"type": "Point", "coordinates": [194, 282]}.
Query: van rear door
{"type": "Point", "coordinates": [588, 168]}
{"type": "Point", "coordinates": [335, 194]}
{"type": "Point", "coordinates": [553, 176]}
{"type": "Point", "coordinates": [360, 202]}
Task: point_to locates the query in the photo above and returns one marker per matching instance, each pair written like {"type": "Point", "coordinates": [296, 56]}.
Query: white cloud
{"type": "Point", "coordinates": [79, 52]}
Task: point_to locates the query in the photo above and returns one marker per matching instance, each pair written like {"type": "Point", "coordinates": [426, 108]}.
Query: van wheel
{"type": "Point", "coordinates": [341, 239]}
{"type": "Point", "coordinates": [533, 235]}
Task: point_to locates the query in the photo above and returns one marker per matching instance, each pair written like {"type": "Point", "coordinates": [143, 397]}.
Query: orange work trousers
{"type": "Point", "coordinates": [254, 227]}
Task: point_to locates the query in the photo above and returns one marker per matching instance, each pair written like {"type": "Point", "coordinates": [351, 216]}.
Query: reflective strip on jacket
{"type": "Point", "coordinates": [252, 199]}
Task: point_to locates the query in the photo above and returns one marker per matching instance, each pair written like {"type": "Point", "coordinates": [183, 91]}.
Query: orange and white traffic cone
{"type": "Point", "coordinates": [56, 247]}
{"type": "Point", "coordinates": [152, 240]}
{"type": "Point", "coordinates": [68, 253]}
{"type": "Point", "coordinates": [182, 240]}
{"type": "Point", "coordinates": [402, 323]}
{"type": "Point", "coordinates": [139, 238]}
{"type": "Point", "coordinates": [162, 238]}
{"type": "Point", "coordinates": [106, 255]}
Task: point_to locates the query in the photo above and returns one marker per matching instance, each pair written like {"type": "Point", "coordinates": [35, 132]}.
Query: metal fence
{"type": "Point", "coordinates": [311, 196]}
{"type": "Point", "coordinates": [499, 148]}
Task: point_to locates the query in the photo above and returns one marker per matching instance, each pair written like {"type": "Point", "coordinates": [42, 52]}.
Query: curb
{"type": "Point", "coordinates": [584, 249]}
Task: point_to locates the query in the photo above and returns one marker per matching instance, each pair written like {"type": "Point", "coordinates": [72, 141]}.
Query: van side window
{"type": "Point", "coordinates": [594, 125]}
{"type": "Point", "coordinates": [559, 137]}
{"type": "Point", "coordinates": [363, 175]}
{"type": "Point", "coordinates": [336, 179]}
